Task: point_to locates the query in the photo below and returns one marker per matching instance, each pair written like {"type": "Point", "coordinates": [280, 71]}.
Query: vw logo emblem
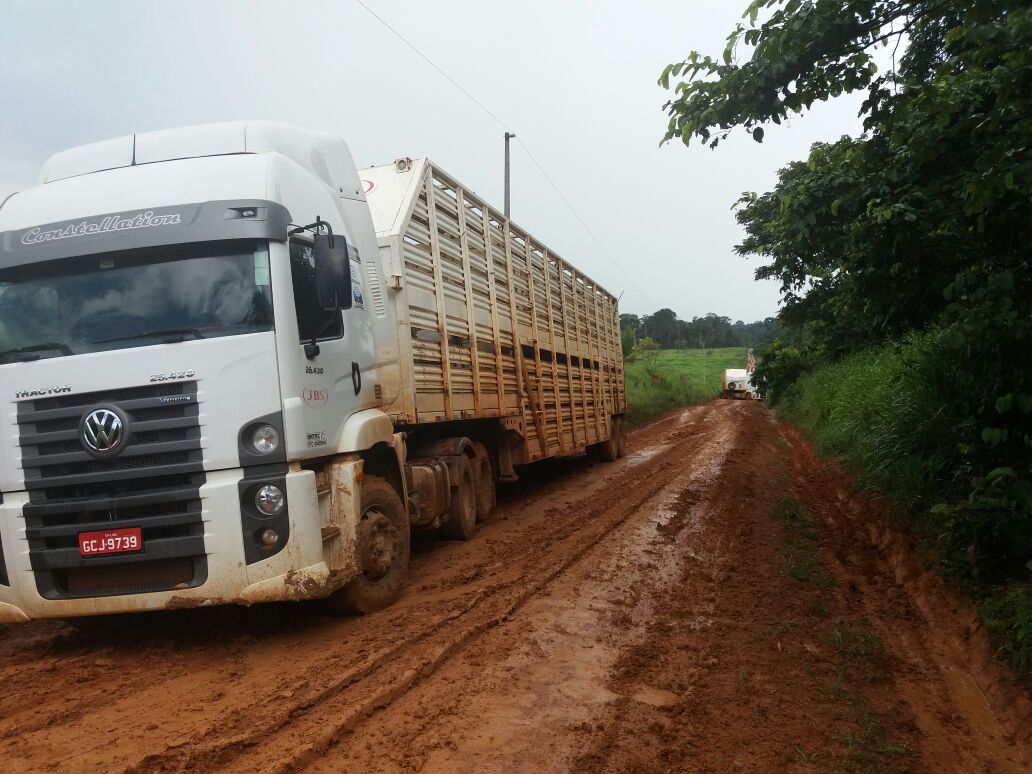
{"type": "Point", "coordinates": [102, 431]}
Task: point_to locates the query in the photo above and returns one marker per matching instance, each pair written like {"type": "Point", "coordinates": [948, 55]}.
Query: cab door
{"type": "Point", "coordinates": [338, 350]}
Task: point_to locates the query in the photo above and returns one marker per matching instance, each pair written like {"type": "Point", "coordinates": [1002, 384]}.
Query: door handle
{"type": "Point", "coordinates": [356, 378]}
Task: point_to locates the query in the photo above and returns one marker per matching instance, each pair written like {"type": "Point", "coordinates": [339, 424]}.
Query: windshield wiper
{"type": "Point", "coordinates": [64, 348]}
{"type": "Point", "coordinates": [175, 335]}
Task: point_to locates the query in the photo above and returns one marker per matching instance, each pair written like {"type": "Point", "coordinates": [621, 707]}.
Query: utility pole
{"type": "Point", "coordinates": [508, 136]}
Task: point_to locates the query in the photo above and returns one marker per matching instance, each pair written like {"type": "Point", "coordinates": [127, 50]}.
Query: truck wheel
{"type": "Point", "coordinates": [621, 437]}
{"type": "Point", "coordinates": [607, 450]}
{"type": "Point", "coordinates": [484, 475]}
{"type": "Point", "coordinates": [383, 551]}
{"type": "Point", "coordinates": [462, 517]}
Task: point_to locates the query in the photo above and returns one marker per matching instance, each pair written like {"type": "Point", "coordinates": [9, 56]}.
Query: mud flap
{"type": "Point", "coordinates": [339, 487]}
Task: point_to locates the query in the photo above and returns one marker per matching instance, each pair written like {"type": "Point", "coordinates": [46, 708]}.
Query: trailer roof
{"type": "Point", "coordinates": [392, 191]}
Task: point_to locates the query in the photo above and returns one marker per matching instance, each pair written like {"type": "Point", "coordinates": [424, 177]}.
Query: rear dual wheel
{"type": "Point", "coordinates": [483, 471]}
{"type": "Point", "coordinates": [473, 497]}
{"type": "Point", "coordinates": [462, 516]}
{"type": "Point", "coordinates": [614, 447]}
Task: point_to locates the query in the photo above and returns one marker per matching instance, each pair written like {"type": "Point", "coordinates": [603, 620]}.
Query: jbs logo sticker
{"type": "Point", "coordinates": [315, 396]}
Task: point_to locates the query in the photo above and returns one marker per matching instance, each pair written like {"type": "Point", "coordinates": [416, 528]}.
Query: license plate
{"type": "Point", "coordinates": [110, 541]}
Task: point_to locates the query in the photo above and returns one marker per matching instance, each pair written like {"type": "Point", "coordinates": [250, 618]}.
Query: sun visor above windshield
{"type": "Point", "coordinates": [150, 227]}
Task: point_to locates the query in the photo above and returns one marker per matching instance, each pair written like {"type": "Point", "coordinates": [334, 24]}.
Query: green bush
{"type": "Point", "coordinates": [1008, 616]}
{"type": "Point", "coordinates": [779, 366]}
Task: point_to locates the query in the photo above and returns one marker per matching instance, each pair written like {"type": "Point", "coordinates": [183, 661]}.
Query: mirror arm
{"type": "Point", "coordinates": [314, 228]}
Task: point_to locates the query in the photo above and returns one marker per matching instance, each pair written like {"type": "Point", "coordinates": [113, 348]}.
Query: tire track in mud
{"type": "Point", "coordinates": [545, 671]}
{"type": "Point", "coordinates": [774, 681]}
{"type": "Point", "coordinates": [313, 725]}
{"type": "Point", "coordinates": [330, 731]}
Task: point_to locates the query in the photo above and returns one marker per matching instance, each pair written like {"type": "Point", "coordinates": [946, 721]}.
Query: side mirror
{"type": "Point", "coordinates": [332, 272]}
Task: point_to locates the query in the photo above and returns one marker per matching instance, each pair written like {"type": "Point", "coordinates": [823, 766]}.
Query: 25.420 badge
{"type": "Point", "coordinates": [173, 375]}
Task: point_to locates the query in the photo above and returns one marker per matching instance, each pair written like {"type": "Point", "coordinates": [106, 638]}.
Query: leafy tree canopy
{"type": "Point", "coordinates": [807, 51]}
{"type": "Point", "coordinates": [926, 213]}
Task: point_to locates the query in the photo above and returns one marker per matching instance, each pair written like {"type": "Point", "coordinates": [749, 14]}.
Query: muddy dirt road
{"type": "Point", "coordinates": [718, 600]}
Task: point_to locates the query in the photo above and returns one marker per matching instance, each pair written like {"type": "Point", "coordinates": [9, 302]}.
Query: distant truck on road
{"type": "Point", "coordinates": [737, 384]}
{"type": "Point", "coordinates": [237, 369]}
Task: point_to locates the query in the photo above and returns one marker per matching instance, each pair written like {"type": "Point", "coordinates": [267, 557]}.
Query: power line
{"type": "Point", "coordinates": [506, 127]}
{"type": "Point", "coordinates": [580, 220]}
{"type": "Point", "coordinates": [426, 59]}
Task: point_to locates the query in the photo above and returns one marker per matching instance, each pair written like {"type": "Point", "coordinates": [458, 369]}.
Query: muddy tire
{"type": "Point", "coordinates": [613, 447]}
{"type": "Point", "coordinates": [462, 516]}
{"type": "Point", "coordinates": [620, 436]}
{"type": "Point", "coordinates": [383, 552]}
{"type": "Point", "coordinates": [483, 472]}
{"type": "Point", "coordinates": [607, 450]}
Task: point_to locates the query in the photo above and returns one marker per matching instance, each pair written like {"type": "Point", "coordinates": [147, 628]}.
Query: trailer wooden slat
{"type": "Point", "coordinates": [493, 323]}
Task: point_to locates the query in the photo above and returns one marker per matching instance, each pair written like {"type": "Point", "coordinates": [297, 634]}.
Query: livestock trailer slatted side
{"type": "Point", "coordinates": [497, 324]}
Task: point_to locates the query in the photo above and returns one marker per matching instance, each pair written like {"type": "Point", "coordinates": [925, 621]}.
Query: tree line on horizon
{"type": "Point", "coordinates": [707, 332]}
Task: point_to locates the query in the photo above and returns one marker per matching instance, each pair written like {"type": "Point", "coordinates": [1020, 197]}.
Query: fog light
{"type": "Point", "coordinates": [270, 537]}
{"type": "Point", "coordinates": [265, 439]}
{"type": "Point", "coordinates": [269, 500]}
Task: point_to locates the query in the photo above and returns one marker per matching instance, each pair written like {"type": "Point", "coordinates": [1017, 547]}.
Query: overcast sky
{"type": "Point", "coordinates": [575, 79]}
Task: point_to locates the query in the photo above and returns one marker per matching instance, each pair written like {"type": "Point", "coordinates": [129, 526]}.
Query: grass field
{"type": "Point", "coordinates": [676, 377]}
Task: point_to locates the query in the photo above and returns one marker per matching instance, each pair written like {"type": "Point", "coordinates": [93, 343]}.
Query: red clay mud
{"type": "Point", "coordinates": [719, 599]}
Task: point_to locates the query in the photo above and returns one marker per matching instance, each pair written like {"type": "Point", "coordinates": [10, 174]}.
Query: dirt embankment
{"type": "Point", "coordinates": [719, 599]}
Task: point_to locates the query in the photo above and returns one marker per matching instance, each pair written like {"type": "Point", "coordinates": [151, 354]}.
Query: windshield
{"type": "Point", "coordinates": [133, 299]}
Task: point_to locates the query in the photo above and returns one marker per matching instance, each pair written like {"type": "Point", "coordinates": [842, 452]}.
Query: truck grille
{"type": "Point", "coordinates": [153, 484]}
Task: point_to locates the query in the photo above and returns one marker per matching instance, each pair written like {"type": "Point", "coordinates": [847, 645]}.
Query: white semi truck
{"type": "Point", "coordinates": [737, 384]}
{"type": "Point", "coordinates": [236, 369]}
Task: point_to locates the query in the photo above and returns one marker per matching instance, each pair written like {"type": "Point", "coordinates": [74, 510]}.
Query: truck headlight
{"type": "Point", "coordinates": [265, 439]}
{"type": "Point", "coordinates": [270, 500]}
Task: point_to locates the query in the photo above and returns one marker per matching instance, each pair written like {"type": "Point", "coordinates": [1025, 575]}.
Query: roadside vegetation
{"type": "Point", "coordinates": [659, 380]}
{"type": "Point", "coordinates": [897, 415]}
{"type": "Point", "coordinates": [904, 260]}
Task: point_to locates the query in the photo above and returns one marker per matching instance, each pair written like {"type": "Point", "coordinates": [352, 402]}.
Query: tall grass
{"type": "Point", "coordinates": [647, 401]}
{"type": "Point", "coordinates": [885, 411]}
{"type": "Point", "coordinates": [670, 378]}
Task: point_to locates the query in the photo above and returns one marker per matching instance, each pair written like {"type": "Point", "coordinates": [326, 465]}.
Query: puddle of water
{"type": "Point", "coordinates": [643, 455]}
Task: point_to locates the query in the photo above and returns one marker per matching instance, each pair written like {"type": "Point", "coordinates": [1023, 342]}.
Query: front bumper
{"type": "Point", "coordinates": [298, 571]}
